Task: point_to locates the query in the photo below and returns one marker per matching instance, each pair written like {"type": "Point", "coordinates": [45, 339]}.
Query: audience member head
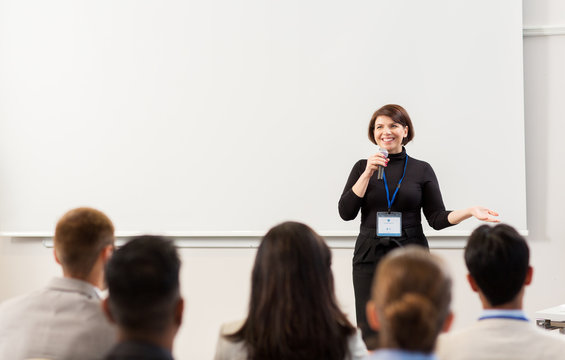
{"type": "Point", "coordinates": [293, 311]}
{"type": "Point", "coordinates": [83, 241]}
{"type": "Point", "coordinates": [398, 115]}
{"type": "Point", "coordinates": [498, 260]}
{"type": "Point", "coordinates": [144, 294]}
{"type": "Point", "coordinates": [410, 300]}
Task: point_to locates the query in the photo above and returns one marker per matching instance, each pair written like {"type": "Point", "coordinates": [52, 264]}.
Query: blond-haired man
{"type": "Point", "coordinates": [64, 320]}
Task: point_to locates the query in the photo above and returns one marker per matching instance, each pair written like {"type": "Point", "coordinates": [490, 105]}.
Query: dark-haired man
{"type": "Point", "coordinates": [65, 321]}
{"type": "Point", "coordinates": [144, 298]}
{"type": "Point", "coordinates": [498, 262]}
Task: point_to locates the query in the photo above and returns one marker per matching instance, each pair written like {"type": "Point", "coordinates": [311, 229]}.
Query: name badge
{"type": "Point", "coordinates": [389, 224]}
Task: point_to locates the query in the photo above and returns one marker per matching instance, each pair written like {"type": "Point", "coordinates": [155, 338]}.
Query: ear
{"type": "Point", "coordinates": [106, 311]}
{"type": "Point", "coordinates": [372, 315]}
{"type": "Point", "coordinates": [448, 322]}
{"type": "Point", "coordinates": [179, 310]}
{"type": "Point", "coordinates": [473, 283]}
{"type": "Point", "coordinates": [529, 276]}
{"type": "Point", "coordinates": [405, 131]}
{"type": "Point", "coordinates": [56, 257]}
{"type": "Point", "coordinates": [106, 253]}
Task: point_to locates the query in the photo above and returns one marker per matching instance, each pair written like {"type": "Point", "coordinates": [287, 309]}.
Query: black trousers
{"type": "Point", "coordinates": [369, 250]}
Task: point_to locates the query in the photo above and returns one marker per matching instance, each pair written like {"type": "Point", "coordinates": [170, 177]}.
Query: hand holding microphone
{"type": "Point", "coordinates": [376, 162]}
{"type": "Point", "coordinates": [381, 169]}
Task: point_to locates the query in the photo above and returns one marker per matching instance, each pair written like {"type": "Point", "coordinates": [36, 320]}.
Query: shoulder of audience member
{"type": "Point", "coordinates": [19, 300]}
{"type": "Point", "coordinates": [231, 327]}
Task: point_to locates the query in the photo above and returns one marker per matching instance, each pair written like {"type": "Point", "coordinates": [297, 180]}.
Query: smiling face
{"type": "Point", "coordinates": [389, 135]}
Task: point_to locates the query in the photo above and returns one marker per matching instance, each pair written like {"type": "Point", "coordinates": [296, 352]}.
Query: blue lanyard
{"type": "Point", "coordinates": [397, 186]}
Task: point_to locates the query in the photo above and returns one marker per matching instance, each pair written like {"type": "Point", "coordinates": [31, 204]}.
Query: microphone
{"type": "Point", "coordinates": [381, 169]}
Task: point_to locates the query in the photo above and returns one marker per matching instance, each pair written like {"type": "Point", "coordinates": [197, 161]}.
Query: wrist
{"type": "Point", "coordinates": [366, 175]}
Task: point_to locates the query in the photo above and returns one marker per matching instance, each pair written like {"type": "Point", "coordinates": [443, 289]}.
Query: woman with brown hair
{"type": "Point", "coordinates": [391, 206]}
{"type": "Point", "coordinates": [293, 312]}
{"type": "Point", "coordinates": [410, 304]}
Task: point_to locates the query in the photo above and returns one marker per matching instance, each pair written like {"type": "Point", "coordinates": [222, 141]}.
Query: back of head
{"type": "Point", "coordinates": [292, 266]}
{"type": "Point", "coordinates": [80, 235]}
{"type": "Point", "coordinates": [143, 284]}
{"type": "Point", "coordinates": [293, 312]}
{"type": "Point", "coordinates": [498, 259]}
{"type": "Point", "coordinates": [412, 296]}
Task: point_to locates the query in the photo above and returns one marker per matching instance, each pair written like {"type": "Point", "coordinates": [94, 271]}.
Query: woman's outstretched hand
{"type": "Point", "coordinates": [484, 214]}
{"type": "Point", "coordinates": [479, 212]}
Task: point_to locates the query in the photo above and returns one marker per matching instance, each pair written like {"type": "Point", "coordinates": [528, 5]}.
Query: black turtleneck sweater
{"type": "Point", "coordinates": [419, 190]}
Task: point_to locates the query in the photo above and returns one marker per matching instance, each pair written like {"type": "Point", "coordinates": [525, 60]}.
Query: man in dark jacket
{"type": "Point", "coordinates": [144, 298]}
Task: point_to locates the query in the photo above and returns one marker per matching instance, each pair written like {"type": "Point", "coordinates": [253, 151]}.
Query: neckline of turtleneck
{"type": "Point", "coordinates": [400, 156]}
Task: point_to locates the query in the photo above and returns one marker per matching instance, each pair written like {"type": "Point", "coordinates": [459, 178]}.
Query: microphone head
{"type": "Point", "coordinates": [383, 151]}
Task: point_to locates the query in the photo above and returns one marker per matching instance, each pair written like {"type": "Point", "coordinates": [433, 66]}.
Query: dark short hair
{"type": "Point", "coordinates": [80, 235]}
{"type": "Point", "coordinates": [143, 284]}
{"type": "Point", "coordinates": [293, 309]}
{"type": "Point", "coordinates": [498, 258]}
{"type": "Point", "coordinates": [398, 115]}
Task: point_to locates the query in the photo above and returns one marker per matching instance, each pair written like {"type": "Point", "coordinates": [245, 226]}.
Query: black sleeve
{"type": "Point", "coordinates": [349, 203]}
{"type": "Point", "coordinates": [432, 202]}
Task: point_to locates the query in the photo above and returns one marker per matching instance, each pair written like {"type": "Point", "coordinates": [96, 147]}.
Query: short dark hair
{"type": "Point", "coordinates": [398, 115]}
{"type": "Point", "coordinates": [143, 284]}
{"type": "Point", "coordinates": [498, 258]}
{"type": "Point", "coordinates": [80, 235]}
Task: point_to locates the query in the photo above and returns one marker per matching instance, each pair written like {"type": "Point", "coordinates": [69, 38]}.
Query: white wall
{"type": "Point", "coordinates": [250, 101]}
{"type": "Point", "coordinates": [216, 281]}
{"type": "Point", "coordinates": [544, 88]}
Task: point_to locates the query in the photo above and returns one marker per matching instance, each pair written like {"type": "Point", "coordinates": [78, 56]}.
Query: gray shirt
{"type": "Point", "coordinates": [63, 321]}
